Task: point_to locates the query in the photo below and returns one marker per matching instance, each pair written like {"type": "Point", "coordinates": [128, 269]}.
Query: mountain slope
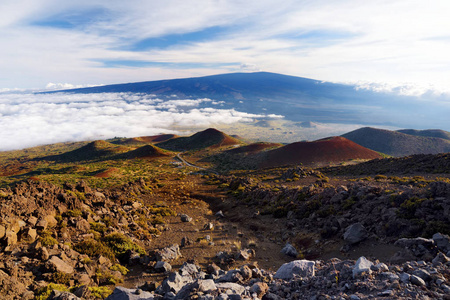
{"type": "Point", "coordinates": [334, 150]}
{"type": "Point", "coordinates": [297, 99]}
{"type": "Point", "coordinates": [396, 143]}
{"type": "Point", "coordinates": [437, 133]}
{"type": "Point", "coordinates": [208, 138]}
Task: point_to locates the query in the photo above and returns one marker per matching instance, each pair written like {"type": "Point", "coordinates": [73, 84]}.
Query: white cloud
{"type": "Point", "coordinates": [348, 40]}
{"type": "Point", "coordinates": [33, 119]}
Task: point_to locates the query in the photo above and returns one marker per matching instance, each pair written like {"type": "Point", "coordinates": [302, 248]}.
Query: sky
{"type": "Point", "coordinates": [61, 43]}
{"type": "Point", "coordinates": [398, 46]}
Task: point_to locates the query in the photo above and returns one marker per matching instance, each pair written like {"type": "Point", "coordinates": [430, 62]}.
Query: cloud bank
{"type": "Point", "coordinates": [34, 119]}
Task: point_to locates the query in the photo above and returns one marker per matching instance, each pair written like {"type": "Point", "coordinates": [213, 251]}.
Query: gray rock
{"type": "Point", "coordinates": [57, 295]}
{"type": "Point", "coordinates": [185, 218]}
{"type": "Point", "coordinates": [417, 280]}
{"type": "Point", "coordinates": [121, 293]}
{"type": "Point", "coordinates": [442, 241]}
{"type": "Point", "coordinates": [231, 287]}
{"type": "Point", "coordinates": [162, 266]}
{"type": "Point", "coordinates": [220, 214]}
{"type": "Point", "coordinates": [440, 258]}
{"type": "Point", "coordinates": [188, 269]}
{"type": "Point", "coordinates": [424, 274]}
{"type": "Point", "coordinates": [303, 268]}
{"type": "Point", "coordinates": [174, 283]}
{"type": "Point", "coordinates": [362, 266]}
{"type": "Point", "coordinates": [289, 250]}
{"type": "Point", "coordinates": [355, 233]}
{"type": "Point", "coordinates": [168, 253]}
{"type": "Point", "coordinates": [404, 277]}
{"type": "Point", "coordinates": [390, 276]}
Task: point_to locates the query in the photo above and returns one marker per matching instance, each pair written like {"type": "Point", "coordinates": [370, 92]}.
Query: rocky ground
{"type": "Point", "coordinates": [296, 234]}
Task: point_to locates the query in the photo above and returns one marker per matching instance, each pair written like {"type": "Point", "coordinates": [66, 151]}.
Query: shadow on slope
{"type": "Point", "coordinates": [396, 143]}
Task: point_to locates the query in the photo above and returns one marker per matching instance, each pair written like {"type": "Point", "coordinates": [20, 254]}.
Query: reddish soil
{"type": "Point", "coordinates": [106, 173]}
{"type": "Point", "coordinates": [148, 151]}
{"type": "Point", "coordinates": [254, 148]}
{"type": "Point", "coordinates": [324, 151]}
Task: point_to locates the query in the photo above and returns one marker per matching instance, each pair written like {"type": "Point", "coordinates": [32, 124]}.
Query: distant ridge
{"type": "Point", "coordinates": [295, 98]}
{"type": "Point", "coordinates": [143, 140]}
{"type": "Point", "coordinates": [397, 143]}
{"type": "Point", "coordinates": [437, 133]}
{"type": "Point", "coordinates": [208, 138]}
{"type": "Point", "coordinates": [324, 151]}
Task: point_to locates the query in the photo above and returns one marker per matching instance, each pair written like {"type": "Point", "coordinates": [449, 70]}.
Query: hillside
{"type": "Point", "coordinates": [437, 133]}
{"type": "Point", "coordinates": [92, 151]}
{"type": "Point", "coordinates": [147, 151]}
{"type": "Point", "coordinates": [396, 143]}
{"type": "Point", "coordinates": [208, 138]}
{"type": "Point", "coordinates": [99, 217]}
{"type": "Point", "coordinates": [325, 151]}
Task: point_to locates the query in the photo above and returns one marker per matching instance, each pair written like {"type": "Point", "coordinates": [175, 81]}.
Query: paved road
{"type": "Point", "coordinates": [192, 165]}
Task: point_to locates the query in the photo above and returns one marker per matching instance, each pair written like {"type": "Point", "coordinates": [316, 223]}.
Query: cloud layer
{"type": "Point", "coordinates": [34, 119]}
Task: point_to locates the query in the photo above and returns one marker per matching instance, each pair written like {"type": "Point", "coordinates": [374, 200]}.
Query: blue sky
{"type": "Point", "coordinates": [380, 44]}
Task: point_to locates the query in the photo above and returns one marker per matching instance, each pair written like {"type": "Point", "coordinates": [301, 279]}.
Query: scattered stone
{"type": "Point", "coordinates": [303, 268]}
{"type": "Point", "coordinates": [208, 226]}
{"type": "Point", "coordinates": [121, 293]}
{"type": "Point", "coordinates": [168, 253]}
{"type": "Point", "coordinates": [58, 265]}
{"type": "Point", "coordinates": [440, 258]}
{"type": "Point", "coordinates": [162, 267]}
{"type": "Point", "coordinates": [362, 266]}
{"type": "Point", "coordinates": [185, 218]}
{"type": "Point", "coordinates": [355, 233]}
{"type": "Point", "coordinates": [219, 214]}
{"type": "Point", "coordinates": [259, 288]}
{"type": "Point", "coordinates": [289, 250]}
{"type": "Point", "coordinates": [417, 280]}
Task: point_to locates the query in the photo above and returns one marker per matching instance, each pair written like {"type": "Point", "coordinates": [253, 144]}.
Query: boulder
{"type": "Point", "coordinates": [303, 268]}
{"type": "Point", "coordinates": [121, 293]}
{"type": "Point", "coordinates": [168, 253]}
{"type": "Point", "coordinates": [355, 233]}
{"type": "Point", "coordinates": [362, 266]}
{"type": "Point", "coordinates": [442, 241]}
{"type": "Point", "coordinates": [417, 280]}
{"type": "Point", "coordinates": [289, 250]}
{"type": "Point", "coordinates": [231, 287]}
{"type": "Point", "coordinates": [259, 288]}
{"type": "Point", "coordinates": [162, 266]}
{"type": "Point", "coordinates": [57, 264]}
{"type": "Point", "coordinates": [185, 218]}
{"type": "Point", "coordinates": [29, 235]}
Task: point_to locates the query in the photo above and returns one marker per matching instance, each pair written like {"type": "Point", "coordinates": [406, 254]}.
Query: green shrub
{"type": "Point", "coordinates": [61, 277]}
{"type": "Point", "coordinates": [98, 226]}
{"type": "Point", "coordinates": [73, 213]}
{"type": "Point", "coordinates": [101, 292]}
{"type": "Point", "coordinates": [44, 293]}
{"type": "Point", "coordinates": [94, 248]}
{"type": "Point", "coordinates": [120, 244]}
{"type": "Point", "coordinates": [47, 240]}
{"type": "Point", "coordinates": [162, 211]}
{"type": "Point", "coordinates": [120, 268]}
{"type": "Point", "coordinates": [104, 277]}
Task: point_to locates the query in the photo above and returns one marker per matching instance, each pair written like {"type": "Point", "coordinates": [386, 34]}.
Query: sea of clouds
{"type": "Point", "coordinates": [30, 119]}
